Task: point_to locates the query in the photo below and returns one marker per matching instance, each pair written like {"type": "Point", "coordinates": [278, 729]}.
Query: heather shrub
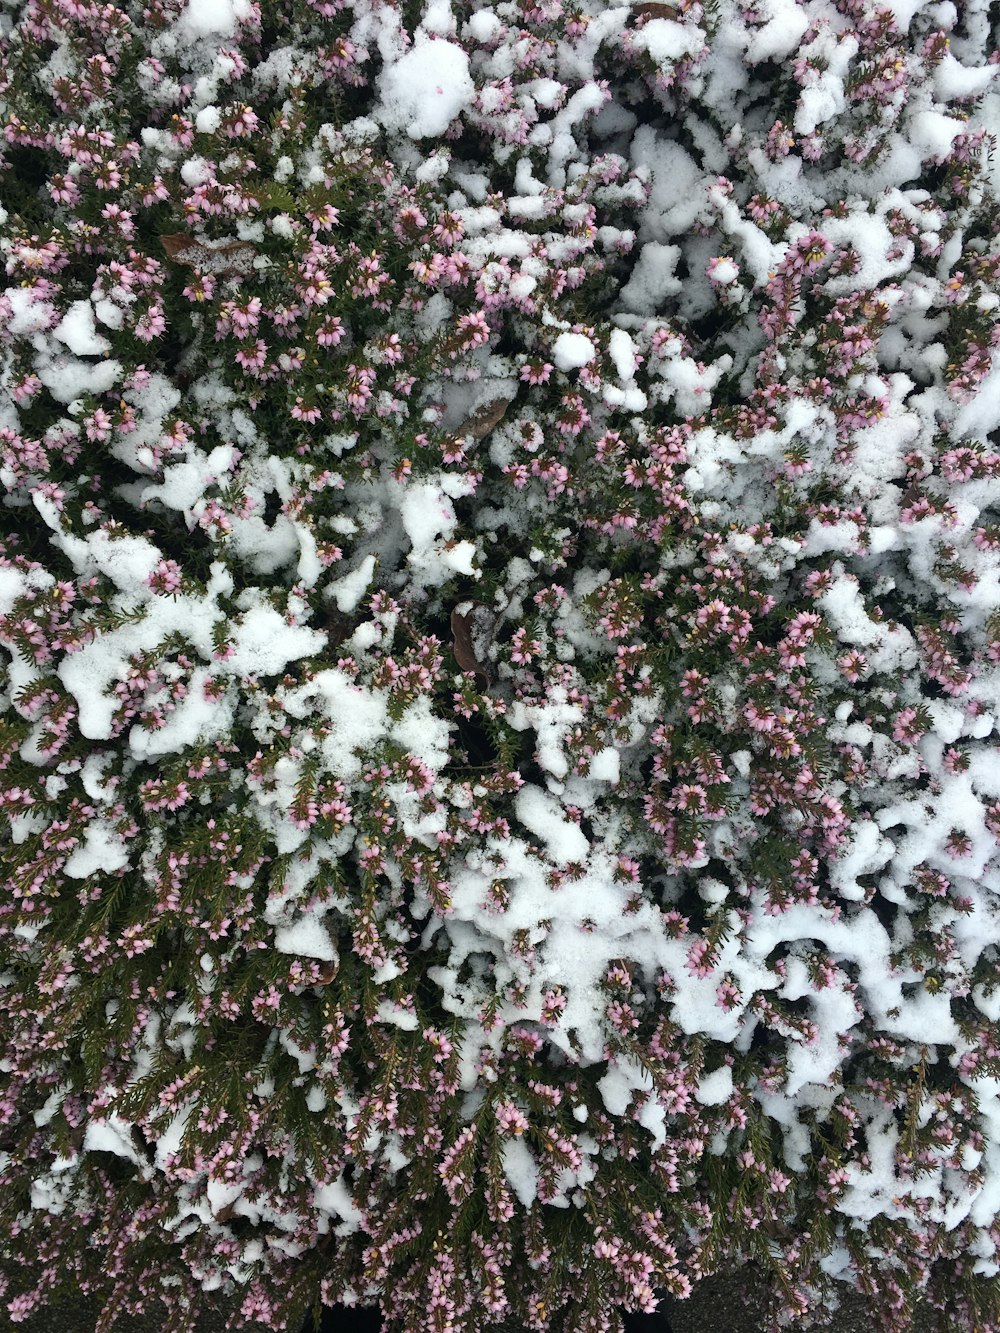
{"type": "Point", "coordinates": [500, 630]}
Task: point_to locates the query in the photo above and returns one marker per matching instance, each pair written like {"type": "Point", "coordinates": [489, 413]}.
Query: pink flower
{"type": "Point", "coordinates": [253, 356]}
{"type": "Point", "coordinates": [699, 962]}
{"type": "Point", "coordinates": [511, 1119]}
{"type": "Point", "coordinates": [98, 425]}
{"type": "Point", "coordinates": [331, 331]}
{"type": "Point", "coordinates": [244, 123]}
{"type": "Point", "coordinates": [301, 412]}
{"type": "Point", "coordinates": [26, 388]}
{"type": "Point", "coordinates": [523, 648]}
{"type": "Point", "coordinates": [727, 996]}
{"type": "Point", "coordinates": [536, 372]}
{"type": "Point", "coordinates": [151, 324]}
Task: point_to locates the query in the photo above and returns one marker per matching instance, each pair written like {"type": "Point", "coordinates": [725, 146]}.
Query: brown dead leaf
{"type": "Point", "coordinates": [220, 257]}
{"type": "Point", "coordinates": [461, 642]}
{"type": "Point", "coordinates": [654, 11]}
{"type": "Point", "coordinates": [471, 631]}
{"type": "Point", "coordinates": [485, 419]}
{"type": "Point", "coordinates": [177, 243]}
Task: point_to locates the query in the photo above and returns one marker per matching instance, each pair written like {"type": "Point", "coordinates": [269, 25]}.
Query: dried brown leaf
{"type": "Point", "coordinates": [466, 627]}
{"type": "Point", "coordinates": [176, 244]}
{"type": "Point", "coordinates": [225, 257]}
{"type": "Point", "coordinates": [461, 642]}
{"type": "Point", "coordinates": [654, 11]}
{"type": "Point", "coordinates": [486, 418]}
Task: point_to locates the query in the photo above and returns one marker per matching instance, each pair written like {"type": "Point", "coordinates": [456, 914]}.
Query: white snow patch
{"type": "Point", "coordinates": [426, 88]}
{"type": "Point", "coordinates": [264, 643]}
{"type": "Point", "coordinates": [308, 938]}
{"type": "Point", "coordinates": [78, 330]}
{"type": "Point", "coordinates": [103, 850]}
{"type": "Point", "coordinates": [570, 351]}
{"type": "Point", "coordinates": [540, 812]}
{"type": "Point", "coordinates": [213, 18]}
{"type": "Point", "coordinates": [715, 1088]}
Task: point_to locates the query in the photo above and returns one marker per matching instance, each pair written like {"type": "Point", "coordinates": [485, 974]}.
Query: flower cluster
{"type": "Point", "coordinates": [499, 656]}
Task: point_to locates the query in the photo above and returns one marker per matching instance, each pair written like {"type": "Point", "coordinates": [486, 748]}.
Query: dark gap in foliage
{"type": "Point", "coordinates": [471, 744]}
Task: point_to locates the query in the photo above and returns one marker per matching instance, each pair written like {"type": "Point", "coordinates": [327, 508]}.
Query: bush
{"type": "Point", "coordinates": [499, 598]}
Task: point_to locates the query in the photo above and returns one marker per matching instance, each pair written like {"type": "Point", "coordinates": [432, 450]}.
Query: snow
{"type": "Point", "coordinates": [69, 380]}
{"type": "Point", "coordinates": [88, 674]}
{"type": "Point", "coordinates": [520, 1170]}
{"type": "Point", "coordinates": [111, 1135]}
{"type": "Point", "coordinates": [932, 132]}
{"type": "Point", "coordinates": [196, 719]}
{"type": "Point", "coordinates": [425, 735]}
{"type": "Point", "coordinates": [869, 851]}
{"type": "Point", "coordinates": [52, 1103]}
{"type": "Point", "coordinates": [12, 586]}
{"type": "Point", "coordinates": [78, 330]}
{"type": "Point", "coordinates": [213, 18]}
{"type": "Point", "coordinates": [550, 719]}
{"type": "Point", "coordinates": [307, 938]}
{"type": "Point", "coordinates": [264, 643]}
{"type": "Point", "coordinates": [125, 560]}
{"type": "Point", "coordinates": [605, 766]}
{"type": "Point", "coordinates": [817, 104]}
{"type": "Point", "coordinates": [424, 89]}
{"type": "Point", "coordinates": [623, 353]}
{"type": "Point", "coordinates": [358, 716]}
{"type": "Point", "coordinates": [557, 134]}
{"type": "Point", "coordinates": [109, 314]}
{"type": "Point", "coordinates": [620, 1082]}
{"type": "Point", "coordinates": [760, 254]}
{"type": "Point", "coordinates": [652, 280]}
{"type": "Point", "coordinates": [400, 1018]}
{"type": "Point", "coordinates": [541, 814]}
{"type": "Point", "coordinates": [570, 351]}
{"type": "Point", "coordinates": [195, 171]}
{"type": "Point", "coordinates": [350, 588]}
{"type": "Point", "coordinates": [786, 24]}
{"type": "Point", "coordinates": [208, 120]}
{"type": "Point", "coordinates": [49, 1195]}
{"type": "Point", "coordinates": [665, 39]}
{"type": "Point", "coordinates": [725, 272]}
{"type": "Point", "coordinates": [103, 850]}
{"type": "Point", "coordinates": [429, 521]}
{"type": "Point", "coordinates": [953, 79]}
{"type": "Point", "coordinates": [483, 26]}
{"type": "Point", "coordinates": [459, 557]}
{"type": "Point", "coordinates": [29, 313]}
{"type": "Point", "coordinates": [979, 417]}
{"type": "Point", "coordinates": [887, 649]}
{"type": "Point", "coordinates": [716, 1087]}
